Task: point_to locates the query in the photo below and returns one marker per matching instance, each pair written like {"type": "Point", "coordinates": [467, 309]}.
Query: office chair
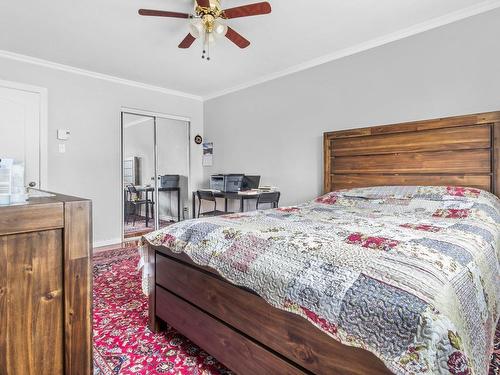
{"type": "Point", "coordinates": [268, 198]}
{"type": "Point", "coordinates": [135, 202]}
{"type": "Point", "coordinates": [210, 197]}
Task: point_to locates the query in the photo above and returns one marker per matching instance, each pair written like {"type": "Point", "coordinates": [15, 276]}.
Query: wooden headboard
{"type": "Point", "coordinates": [463, 151]}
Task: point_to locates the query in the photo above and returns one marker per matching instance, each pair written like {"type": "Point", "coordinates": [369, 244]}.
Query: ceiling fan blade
{"type": "Point", "coordinates": [162, 13]}
{"type": "Point", "coordinates": [236, 38]}
{"type": "Point", "coordinates": [203, 3]}
{"type": "Point", "coordinates": [187, 42]}
{"type": "Point", "coordinates": [248, 10]}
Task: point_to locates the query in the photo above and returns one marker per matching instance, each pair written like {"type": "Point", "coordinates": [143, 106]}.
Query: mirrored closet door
{"type": "Point", "coordinates": [155, 170]}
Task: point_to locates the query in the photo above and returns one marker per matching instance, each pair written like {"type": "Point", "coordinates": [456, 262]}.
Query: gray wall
{"type": "Point", "coordinates": [275, 128]}
{"type": "Point", "coordinates": [90, 108]}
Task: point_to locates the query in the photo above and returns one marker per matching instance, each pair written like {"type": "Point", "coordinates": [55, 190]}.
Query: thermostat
{"type": "Point", "coordinates": [63, 134]}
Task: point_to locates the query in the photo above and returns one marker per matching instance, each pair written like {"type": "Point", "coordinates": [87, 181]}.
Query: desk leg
{"type": "Point", "coordinates": [194, 206]}
{"type": "Point", "coordinates": [178, 205]}
{"type": "Point", "coordinates": [225, 204]}
{"type": "Point", "coordinates": [242, 204]}
{"type": "Point", "coordinates": [147, 209]}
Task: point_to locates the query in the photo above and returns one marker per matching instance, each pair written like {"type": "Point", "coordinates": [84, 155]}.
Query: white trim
{"type": "Point", "coordinates": [43, 125]}
{"type": "Point", "coordinates": [458, 15]}
{"type": "Point", "coordinates": [141, 112]}
{"type": "Point", "coordinates": [44, 139]}
{"type": "Point", "coordinates": [88, 73]}
{"type": "Point", "coordinates": [115, 241]}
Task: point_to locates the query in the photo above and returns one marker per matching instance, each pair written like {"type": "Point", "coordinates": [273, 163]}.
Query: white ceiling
{"type": "Point", "coordinates": [110, 38]}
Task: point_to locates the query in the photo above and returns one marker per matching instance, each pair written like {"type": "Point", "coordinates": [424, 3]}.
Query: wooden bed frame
{"type": "Point", "coordinates": [251, 337]}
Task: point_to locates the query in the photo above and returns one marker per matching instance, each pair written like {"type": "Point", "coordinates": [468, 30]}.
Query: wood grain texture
{"type": "Point", "coordinates": [28, 218]}
{"type": "Point", "coordinates": [78, 287]}
{"type": "Point", "coordinates": [496, 158]}
{"type": "Point", "coordinates": [462, 138]}
{"type": "Point", "coordinates": [237, 38]}
{"type": "Point", "coordinates": [187, 41]}
{"type": "Point", "coordinates": [452, 162]}
{"type": "Point", "coordinates": [327, 166]}
{"type": "Point", "coordinates": [247, 10]}
{"type": "Point", "coordinates": [349, 181]}
{"type": "Point", "coordinates": [4, 306]}
{"type": "Point", "coordinates": [461, 150]}
{"type": "Point", "coordinates": [162, 13]}
{"type": "Point", "coordinates": [449, 122]}
{"type": "Point", "coordinates": [31, 304]}
{"type": "Point", "coordinates": [152, 322]}
{"type": "Point", "coordinates": [239, 353]}
{"type": "Point", "coordinates": [288, 334]}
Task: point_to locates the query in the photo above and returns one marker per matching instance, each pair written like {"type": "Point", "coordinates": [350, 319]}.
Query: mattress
{"type": "Point", "coordinates": [408, 273]}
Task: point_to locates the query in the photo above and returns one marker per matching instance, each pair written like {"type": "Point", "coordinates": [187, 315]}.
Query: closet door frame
{"type": "Point", "coordinates": [154, 116]}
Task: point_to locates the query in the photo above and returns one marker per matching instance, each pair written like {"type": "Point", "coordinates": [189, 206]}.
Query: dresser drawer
{"type": "Point", "coordinates": [239, 353]}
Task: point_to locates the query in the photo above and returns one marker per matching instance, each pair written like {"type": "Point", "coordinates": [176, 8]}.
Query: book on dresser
{"type": "Point", "coordinates": [46, 286]}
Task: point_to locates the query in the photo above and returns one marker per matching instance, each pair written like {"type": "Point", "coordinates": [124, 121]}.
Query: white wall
{"type": "Point", "coordinates": [276, 128]}
{"type": "Point", "coordinates": [90, 108]}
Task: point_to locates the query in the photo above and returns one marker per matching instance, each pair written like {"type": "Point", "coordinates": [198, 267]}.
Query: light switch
{"type": "Point", "coordinates": [62, 148]}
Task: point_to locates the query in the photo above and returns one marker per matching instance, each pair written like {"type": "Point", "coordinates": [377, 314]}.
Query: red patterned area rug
{"type": "Point", "coordinates": [122, 342]}
{"type": "Point", "coordinates": [124, 345]}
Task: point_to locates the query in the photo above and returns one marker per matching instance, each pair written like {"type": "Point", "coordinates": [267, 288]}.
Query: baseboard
{"type": "Point", "coordinates": [113, 241]}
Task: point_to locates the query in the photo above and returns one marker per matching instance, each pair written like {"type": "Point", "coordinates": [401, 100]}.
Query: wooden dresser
{"type": "Point", "coordinates": [46, 287]}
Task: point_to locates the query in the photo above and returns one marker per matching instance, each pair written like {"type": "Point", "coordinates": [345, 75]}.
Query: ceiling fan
{"type": "Point", "coordinates": [205, 22]}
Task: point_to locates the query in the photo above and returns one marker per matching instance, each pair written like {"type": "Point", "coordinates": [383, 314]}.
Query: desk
{"type": "Point", "coordinates": [241, 196]}
{"type": "Point", "coordinates": [148, 189]}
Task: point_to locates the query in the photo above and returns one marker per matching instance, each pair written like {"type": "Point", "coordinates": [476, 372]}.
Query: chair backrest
{"type": "Point", "coordinates": [205, 195]}
{"type": "Point", "coordinates": [131, 189]}
{"type": "Point", "coordinates": [132, 192]}
{"type": "Point", "coordinates": [273, 198]}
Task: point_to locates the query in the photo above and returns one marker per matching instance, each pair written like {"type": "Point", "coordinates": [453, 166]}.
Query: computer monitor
{"type": "Point", "coordinates": [251, 182]}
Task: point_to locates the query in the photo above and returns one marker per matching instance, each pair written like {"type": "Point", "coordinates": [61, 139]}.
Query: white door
{"type": "Point", "coordinates": [20, 112]}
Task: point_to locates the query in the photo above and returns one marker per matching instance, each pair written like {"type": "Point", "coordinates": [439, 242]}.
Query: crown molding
{"type": "Point", "coordinates": [96, 75]}
{"type": "Point", "coordinates": [458, 15]}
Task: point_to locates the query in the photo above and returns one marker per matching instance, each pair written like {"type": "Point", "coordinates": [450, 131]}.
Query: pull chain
{"type": "Point", "coordinates": [206, 46]}
{"type": "Point", "coordinates": [204, 43]}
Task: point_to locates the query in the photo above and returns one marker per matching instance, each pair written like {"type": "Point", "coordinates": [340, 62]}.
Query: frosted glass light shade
{"type": "Point", "coordinates": [196, 28]}
{"type": "Point", "coordinates": [220, 29]}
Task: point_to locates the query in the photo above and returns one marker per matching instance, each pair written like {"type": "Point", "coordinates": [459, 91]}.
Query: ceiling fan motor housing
{"type": "Point", "coordinates": [208, 15]}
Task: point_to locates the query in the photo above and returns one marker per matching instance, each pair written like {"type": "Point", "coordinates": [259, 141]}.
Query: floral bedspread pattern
{"type": "Point", "coordinates": [408, 273]}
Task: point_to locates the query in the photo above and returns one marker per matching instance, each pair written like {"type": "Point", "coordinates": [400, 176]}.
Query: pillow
{"type": "Point", "coordinates": [439, 193]}
{"type": "Point", "coordinates": [380, 192]}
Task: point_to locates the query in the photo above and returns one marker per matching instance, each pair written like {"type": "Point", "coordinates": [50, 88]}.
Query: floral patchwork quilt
{"type": "Point", "coordinates": [408, 273]}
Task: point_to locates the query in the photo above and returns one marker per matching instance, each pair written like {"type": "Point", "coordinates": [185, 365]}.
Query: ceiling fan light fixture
{"type": "Point", "coordinates": [196, 28]}
{"type": "Point", "coordinates": [220, 29]}
{"type": "Point", "coordinates": [205, 25]}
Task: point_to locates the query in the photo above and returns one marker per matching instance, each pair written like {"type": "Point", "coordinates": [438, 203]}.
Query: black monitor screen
{"type": "Point", "coordinates": [251, 182]}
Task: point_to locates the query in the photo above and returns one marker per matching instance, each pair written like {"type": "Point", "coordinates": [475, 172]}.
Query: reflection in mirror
{"type": "Point", "coordinates": [138, 174]}
{"type": "Point", "coordinates": [169, 167]}
{"type": "Point", "coordinates": [172, 138]}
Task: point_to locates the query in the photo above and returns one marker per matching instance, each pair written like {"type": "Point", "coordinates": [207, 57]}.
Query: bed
{"type": "Point", "coordinates": [361, 280]}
